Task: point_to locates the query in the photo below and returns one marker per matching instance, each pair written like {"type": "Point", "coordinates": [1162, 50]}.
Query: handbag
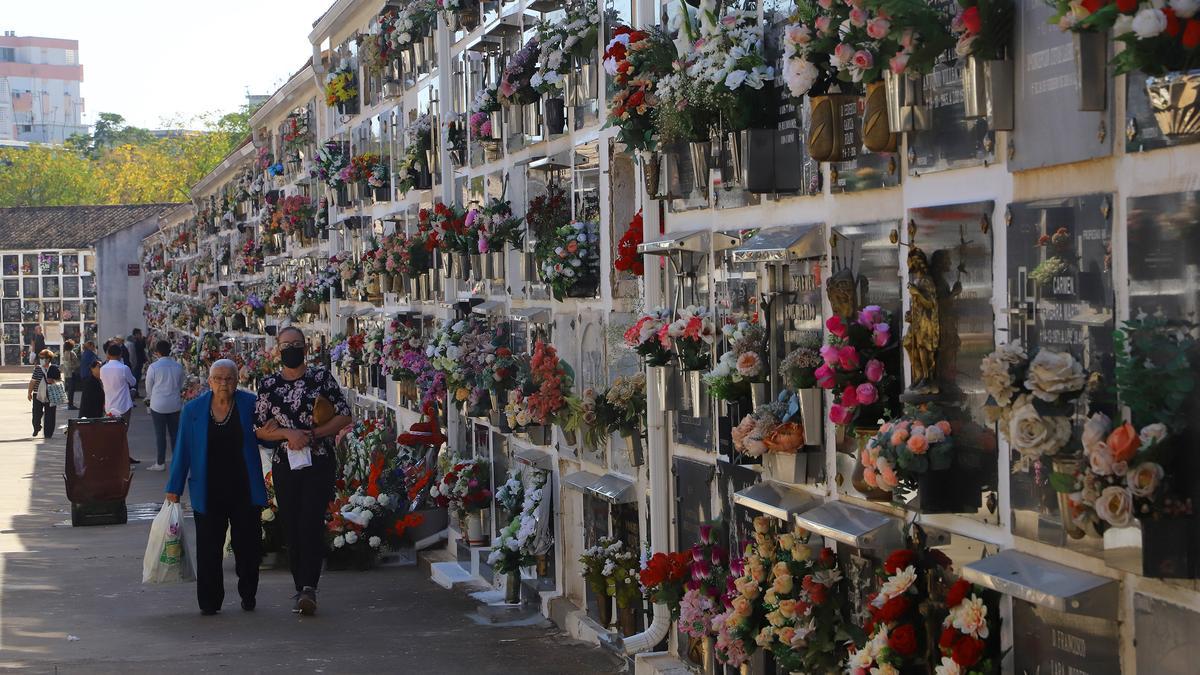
{"type": "Point", "coordinates": [56, 394]}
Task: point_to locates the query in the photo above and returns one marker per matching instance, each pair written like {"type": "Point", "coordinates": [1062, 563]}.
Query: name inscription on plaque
{"type": "Point", "coordinates": [1055, 643]}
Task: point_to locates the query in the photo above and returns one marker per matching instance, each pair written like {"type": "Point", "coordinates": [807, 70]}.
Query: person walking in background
{"type": "Point", "coordinates": [285, 414]}
{"type": "Point", "coordinates": [37, 342]}
{"type": "Point", "coordinates": [45, 373]}
{"type": "Point", "coordinates": [164, 386]}
{"type": "Point", "coordinates": [70, 371]}
{"type": "Point", "coordinates": [86, 358]}
{"type": "Point", "coordinates": [118, 381]}
{"type": "Point", "coordinates": [137, 355]}
{"type": "Point", "coordinates": [91, 395]}
{"type": "Point", "coordinates": [217, 447]}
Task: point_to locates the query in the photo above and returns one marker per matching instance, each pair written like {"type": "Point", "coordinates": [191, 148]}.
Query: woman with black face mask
{"type": "Point", "coordinates": [289, 417]}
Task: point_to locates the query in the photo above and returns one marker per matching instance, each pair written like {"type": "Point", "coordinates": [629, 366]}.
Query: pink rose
{"type": "Point", "coordinates": [878, 28]}
{"type": "Point", "coordinates": [822, 24]}
{"type": "Point", "coordinates": [850, 397]}
{"type": "Point", "coordinates": [825, 4]}
{"type": "Point", "coordinates": [907, 39]}
{"type": "Point", "coordinates": [840, 415]}
{"type": "Point", "coordinates": [875, 370]}
{"type": "Point", "coordinates": [848, 358]}
{"type": "Point", "coordinates": [899, 436]}
{"type": "Point", "coordinates": [867, 393]}
{"type": "Point", "coordinates": [824, 375]}
{"type": "Point", "coordinates": [918, 444]}
{"type": "Point", "coordinates": [799, 34]}
{"type": "Point", "coordinates": [882, 335]}
{"type": "Point", "coordinates": [830, 353]}
{"type": "Point", "coordinates": [863, 59]}
{"type": "Point", "coordinates": [899, 62]}
{"type": "Point", "coordinates": [869, 476]}
{"type": "Point", "coordinates": [836, 326]}
{"type": "Point", "coordinates": [843, 53]}
{"type": "Point", "coordinates": [858, 17]}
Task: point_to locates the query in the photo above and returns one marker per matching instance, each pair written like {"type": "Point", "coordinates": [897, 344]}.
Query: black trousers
{"type": "Point", "coordinates": [71, 384]}
{"type": "Point", "coordinates": [303, 497]}
{"type": "Point", "coordinates": [246, 536]}
{"type": "Point", "coordinates": [43, 417]}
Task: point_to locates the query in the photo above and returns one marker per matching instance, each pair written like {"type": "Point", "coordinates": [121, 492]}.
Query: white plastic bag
{"type": "Point", "coordinates": [167, 558]}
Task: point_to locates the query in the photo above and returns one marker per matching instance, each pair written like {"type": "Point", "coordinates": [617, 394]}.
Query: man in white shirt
{"type": "Point", "coordinates": [164, 385]}
{"type": "Point", "coordinates": [117, 378]}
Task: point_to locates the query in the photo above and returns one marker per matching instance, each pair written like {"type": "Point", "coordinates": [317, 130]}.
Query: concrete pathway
{"type": "Point", "coordinates": [71, 599]}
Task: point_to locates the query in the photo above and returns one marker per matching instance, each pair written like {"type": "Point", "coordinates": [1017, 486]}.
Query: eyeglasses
{"type": "Point", "coordinates": [226, 380]}
{"type": "Point", "coordinates": [290, 345]}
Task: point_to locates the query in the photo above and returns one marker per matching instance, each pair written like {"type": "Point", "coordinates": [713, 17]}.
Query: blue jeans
{"type": "Point", "coordinates": [164, 424]}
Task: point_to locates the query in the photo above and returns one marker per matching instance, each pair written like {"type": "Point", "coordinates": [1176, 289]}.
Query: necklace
{"type": "Point", "coordinates": [225, 421]}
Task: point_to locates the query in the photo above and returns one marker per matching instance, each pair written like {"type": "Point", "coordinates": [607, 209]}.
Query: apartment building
{"type": "Point", "coordinates": [39, 89]}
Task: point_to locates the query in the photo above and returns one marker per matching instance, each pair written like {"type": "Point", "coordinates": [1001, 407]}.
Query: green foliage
{"type": "Point", "coordinates": [1155, 369]}
{"type": "Point", "coordinates": [120, 164]}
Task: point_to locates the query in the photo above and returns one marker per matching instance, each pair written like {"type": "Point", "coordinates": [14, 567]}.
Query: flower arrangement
{"type": "Point", "coordinates": [341, 86]}
{"type": "Point", "coordinates": [569, 260]}
{"type": "Point", "coordinates": [332, 159]}
{"type": "Point", "coordinates": [296, 212]}
{"type": "Point", "coordinates": [708, 581]}
{"type": "Point", "coordinates": [983, 28]}
{"type": "Point", "coordinates": [621, 407]}
{"type": "Point", "coordinates": [511, 495]}
{"type": "Point", "coordinates": [414, 165]}
{"type": "Point", "coordinates": [547, 213]}
{"type": "Point", "coordinates": [635, 60]}
{"type": "Point", "coordinates": [495, 226]}
{"type": "Point", "coordinates": [572, 36]}
{"type": "Point", "coordinates": [643, 337]}
{"type": "Point", "coordinates": [1159, 38]}
{"type": "Point", "coordinates": [1047, 269]}
{"type": "Point", "coordinates": [519, 540]}
{"type": "Point", "coordinates": [611, 571]}
{"type": "Point", "coordinates": [768, 429]}
{"type": "Point", "coordinates": [296, 133]}
{"type": "Point", "coordinates": [451, 223]}
{"type": "Point", "coordinates": [444, 353]}
{"type": "Point", "coordinates": [663, 579]}
{"type": "Point", "coordinates": [918, 442]}
{"type": "Point", "coordinates": [551, 380]}
{"type": "Point", "coordinates": [464, 488]}
{"type": "Point", "coordinates": [744, 362]}
{"type": "Point", "coordinates": [740, 626]}
{"type": "Point", "coordinates": [799, 366]}
{"type": "Point", "coordinates": [479, 121]}
{"type": "Point", "coordinates": [854, 367]}
{"type": "Point", "coordinates": [354, 522]}
{"type": "Point", "coordinates": [516, 86]}
{"type": "Point", "coordinates": [367, 438]}
{"type": "Point", "coordinates": [413, 21]}
{"type": "Point", "coordinates": [368, 168]}
{"type": "Point", "coordinates": [1033, 400]}
{"type": "Point", "coordinates": [968, 632]}
{"type": "Point", "coordinates": [628, 259]}
{"type": "Point", "coordinates": [691, 337]}
{"type": "Point", "coordinates": [896, 634]}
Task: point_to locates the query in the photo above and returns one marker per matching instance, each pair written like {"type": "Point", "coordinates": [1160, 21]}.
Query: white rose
{"type": "Point", "coordinates": [1052, 374]}
{"type": "Point", "coordinates": [384, 499]}
{"type": "Point", "coordinates": [339, 541]}
{"type": "Point", "coordinates": [1144, 479]}
{"type": "Point", "coordinates": [1031, 434]}
{"type": "Point", "coordinates": [1100, 458]}
{"type": "Point", "coordinates": [1115, 506]}
{"type": "Point", "coordinates": [800, 75]}
{"type": "Point", "coordinates": [996, 370]}
{"type": "Point", "coordinates": [351, 537]}
{"type": "Point", "coordinates": [374, 542]}
{"type": "Point", "coordinates": [1185, 9]}
{"type": "Point", "coordinates": [268, 515]}
{"type": "Point", "coordinates": [1148, 23]}
{"type": "Point", "coordinates": [1123, 25]}
{"type": "Point", "coordinates": [1096, 429]}
{"type": "Point", "coordinates": [1152, 434]}
{"type": "Point", "coordinates": [948, 666]}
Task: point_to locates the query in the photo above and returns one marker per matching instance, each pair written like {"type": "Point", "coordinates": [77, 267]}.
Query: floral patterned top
{"type": "Point", "coordinates": [291, 404]}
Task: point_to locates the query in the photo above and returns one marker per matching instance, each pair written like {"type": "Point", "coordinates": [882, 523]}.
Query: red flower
{"type": "Point", "coordinates": [903, 640]}
{"type": "Point", "coordinates": [1172, 22]}
{"type": "Point", "coordinates": [972, 21]}
{"type": "Point", "coordinates": [949, 636]}
{"type": "Point", "coordinates": [967, 651]}
{"type": "Point", "coordinates": [898, 560]}
{"type": "Point", "coordinates": [893, 609]}
{"type": "Point", "coordinates": [1127, 6]}
{"type": "Point", "coordinates": [1092, 5]}
{"type": "Point", "coordinates": [636, 99]}
{"type": "Point", "coordinates": [957, 592]}
{"type": "Point", "coordinates": [1191, 34]}
{"type": "Point", "coordinates": [826, 557]}
{"type": "Point", "coordinates": [836, 326]}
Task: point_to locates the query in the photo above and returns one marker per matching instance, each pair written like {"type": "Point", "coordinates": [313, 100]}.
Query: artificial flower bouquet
{"type": "Point", "coordinates": [620, 408]}
{"type": "Point", "coordinates": [464, 488]}
{"type": "Point", "coordinates": [644, 337]}
{"type": "Point", "coordinates": [495, 226]}
{"type": "Point", "coordinates": [341, 88]}
{"type": "Point", "coordinates": [799, 366]}
{"type": "Point", "coordinates": [367, 438]}
{"type": "Point", "coordinates": [479, 121]}
{"type": "Point", "coordinates": [414, 165]}
{"type": "Point", "coordinates": [457, 232]}
{"type": "Point", "coordinates": [628, 258]}
{"type": "Point", "coordinates": [331, 162]}
{"type": "Point", "coordinates": [511, 495]}
{"type": "Point", "coordinates": [741, 622]}
{"type": "Point", "coordinates": [804, 628]}
{"type": "Point", "coordinates": [550, 401]}
{"type": "Point", "coordinates": [741, 364]}
{"type": "Point", "coordinates": [604, 569]}
{"type": "Point", "coordinates": [917, 443]}
{"type": "Point", "coordinates": [516, 86]}
{"type": "Point", "coordinates": [634, 61]}
{"type": "Point", "coordinates": [768, 429]}
{"type": "Point", "coordinates": [1033, 400]}
{"type": "Point", "coordinates": [706, 586]}
{"type": "Point", "coordinates": [984, 29]}
{"type": "Point", "coordinates": [855, 367]}
{"type": "Point", "coordinates": [663, 579]}
{"type": "Point", "coordinates": [569, 260]}
{"type": "Point", "coordinates": [969, 642]}
{"type": "Point", "coordinates": [525, 536]}
{"type": "Point", "coordinates": [355, 522]}
{"type": "Point", "coordinates": [729, 59]}
{"type": "Point", "coordinates": [547, 213]}
{"type": "Point", "coordinates": [691, 337]}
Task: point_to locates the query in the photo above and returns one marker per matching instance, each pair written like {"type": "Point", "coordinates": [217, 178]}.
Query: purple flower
{"type": "Point", "coordinates": [706, 534]}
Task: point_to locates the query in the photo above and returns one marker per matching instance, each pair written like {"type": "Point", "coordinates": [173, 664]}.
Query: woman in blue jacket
{"type": "Point", "coordinates": [217, 446]}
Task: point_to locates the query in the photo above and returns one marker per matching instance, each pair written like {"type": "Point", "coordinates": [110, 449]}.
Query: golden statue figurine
{"type": "Point", "coordinates": [921, 341]}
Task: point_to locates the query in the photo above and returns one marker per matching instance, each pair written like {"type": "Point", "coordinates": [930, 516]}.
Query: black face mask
{"type": "Point", "coordinates": [292, 357]}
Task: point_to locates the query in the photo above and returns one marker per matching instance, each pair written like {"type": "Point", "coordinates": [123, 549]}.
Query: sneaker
{"type": "Point", "coordinates": [157, 467]}
{"type": "Point", "coordinates": [307, 602]}
{"type": "Point", "coordinates": [296, 604]}
{"type": "Point", "coordinates": [134, 461]}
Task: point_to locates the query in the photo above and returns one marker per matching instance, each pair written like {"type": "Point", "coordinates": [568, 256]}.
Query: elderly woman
{"type": "Point", "coordinates": [217, 446]}
{"type": "Point", "coordinates": [45, 373]}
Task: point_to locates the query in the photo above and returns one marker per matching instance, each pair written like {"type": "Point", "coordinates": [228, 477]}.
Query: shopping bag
{"type": "Point", "coordinates": [56, 394]}
{"type": "Point", "coordinates": [167, 558]}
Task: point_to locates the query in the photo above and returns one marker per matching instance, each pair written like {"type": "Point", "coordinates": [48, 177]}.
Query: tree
{"type": "Point", "coordinates": [119, 164]}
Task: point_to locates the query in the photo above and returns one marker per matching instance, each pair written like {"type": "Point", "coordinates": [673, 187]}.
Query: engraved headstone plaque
{"type": "Point", "coordinates": [1048, 641]}
{"type": "Point", "coordinates": [952, 141]}
{"type": "Point", "coordinates": [693, 499]}
{"type": "Point", "coordinates": [1050, 128]}
{"type": "Point", "coordinates": [591, 374]}
{"type": "Point", "coordinates": [1164, 247]}
{"type": "Point", "coordinates": [1166, 636]}
{"type": "Point", "coordinates": [12, 288]}
{"type": "Point", "coordinates": [860, 169]}
{"type": "Point", "coordinates": [1141, 131]}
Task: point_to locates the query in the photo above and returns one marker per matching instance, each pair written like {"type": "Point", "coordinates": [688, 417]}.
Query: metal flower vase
{"type": "Point", "coordinates": [584, 83]}
{"type": "Point", "coordinates": [810, 415]}
{"type": "Point", "coordinates": [786, 467]}
{"type": "Point", "coordinates": [1068, 466]}
{"type": "Point", "coordinates": [877, 133]}
{"type": "Point", "coordinates": [1175, 100]}
{"type": "Point", "coordinates": [1091, 69]}
{"type": "Point", "coordinates": [825, 134]}
{"type": "Point", "coordinates": [906, 106]}
{"type": "Point", "coordinates": [475, 533]}
{"type": "Point", "coordinates": [633, 446]}
{"type": "Point", "coordinates": [699, 153]}
{"type": "Point", "coordinates": [512, 587]}
{"type": "Point", "coordinates": [760, 394]}
{"type": "Point", "coordinates": [556, 116]}
{"type": "Point", "coordinates": [670, 386]}
{"type": "Point", "coordinates": [497, 265]}
{"type": "Point", "coordinates": [651, 163]}
{"type": "Point", "coordinates": [697, 392]}
{"type": "Point", "coordinates": [988, 91]}
{"type": "Point", "coordinates": [751, 164]}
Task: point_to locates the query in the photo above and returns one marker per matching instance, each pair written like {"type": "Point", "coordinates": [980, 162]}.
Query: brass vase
{"type": "Point", "coordinates": [627, 620]}
{"type": "Point", "coordinates": [877, 135]}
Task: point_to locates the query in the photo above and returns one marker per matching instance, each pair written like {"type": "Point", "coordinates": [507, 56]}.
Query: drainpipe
{"type": "Point", "coordinates": [658, 483]}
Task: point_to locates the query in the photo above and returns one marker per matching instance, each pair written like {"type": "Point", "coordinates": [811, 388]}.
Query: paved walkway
{"type": "Point", "coordinates": [71, 599]}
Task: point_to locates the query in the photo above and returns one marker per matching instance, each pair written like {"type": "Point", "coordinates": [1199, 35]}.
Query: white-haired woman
{"type": "Point", "coordinates": [217, 447]}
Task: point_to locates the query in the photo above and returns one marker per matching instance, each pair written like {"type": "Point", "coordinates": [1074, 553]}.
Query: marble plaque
{"type": "Point", "coordinates": [1141, 131]}
{"type": "Point", "coordinates": [858, 168]}
{"type": "Point", "coordinates": [693, 499]}
{"type": "Point", "coordinates": [12, 310]}
{"type": "Point", "coordinates": [1165, 635]}
{"type": "Point", "coordinates": [1050, 128]}
{"type": "Point", "coordinates": [1164, 245]}
{"type": "Point", "coordinates": [733, 478]}
{"type": "Point", "coordinates": [1051, 642]}
{"type": "Point", "coordinates": [952, 141]}
{"type": "Point", "coordinates": [12, 288]}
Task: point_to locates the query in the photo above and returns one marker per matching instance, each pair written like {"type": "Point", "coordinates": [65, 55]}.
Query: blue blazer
{"type": "Point", "coordinates": [191, 451]}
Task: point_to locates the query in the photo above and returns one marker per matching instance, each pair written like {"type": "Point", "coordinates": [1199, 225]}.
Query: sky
{"type": "Point", "coordinates": [152, 60]}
